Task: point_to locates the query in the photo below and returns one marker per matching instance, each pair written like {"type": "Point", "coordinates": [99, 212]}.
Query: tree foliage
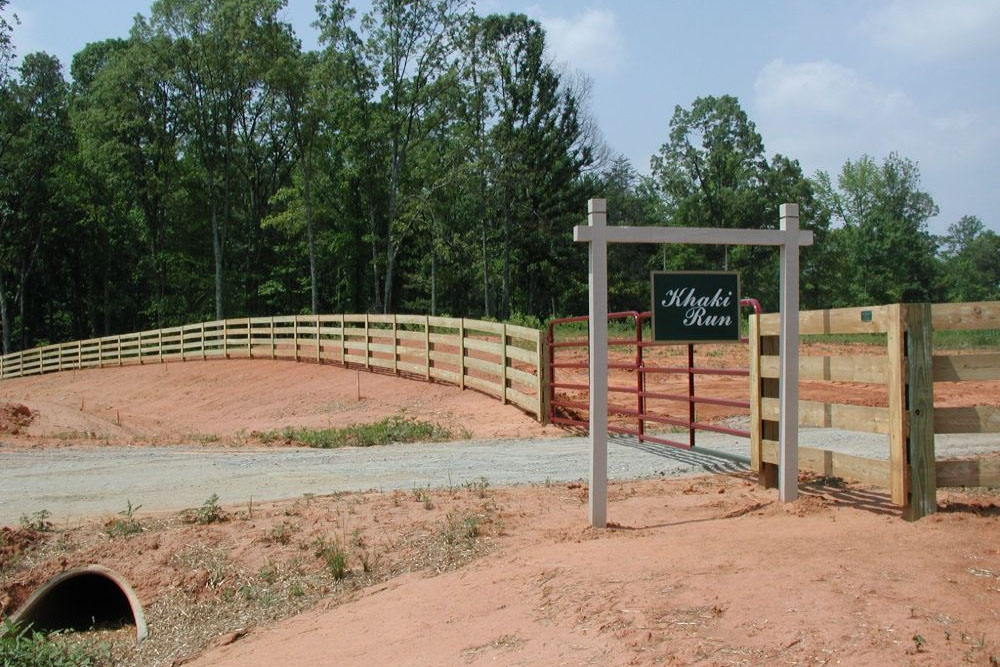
{"type": "Point", "coordinates": [423, 159]}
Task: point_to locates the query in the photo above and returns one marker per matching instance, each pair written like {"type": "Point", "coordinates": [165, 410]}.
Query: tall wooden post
{"type": "Point", "coordinates": [920, 410]}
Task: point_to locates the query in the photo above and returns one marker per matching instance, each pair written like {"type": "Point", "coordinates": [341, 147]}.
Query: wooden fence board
{"type": "Point", "coordinates": [834, 464]}
{"type": "Point", "coordinates": [867, 370]}
{"type": "Point", "coordinates": [833, 415]}
{"type": "Point", "coordinates": [966, 316]}
{"type": "Point", "coordinates": [834, 321]}
{"type": "Point", "coordinates": [971, 419]}
{"type": "Point", "coordinates": [482, 385]}
{"type": "Point", "coordinates": [493, 368]}
{"type": "Point", "coordinates": [963, 367]}
{"type": "Point", "coordinates": [974, 473]}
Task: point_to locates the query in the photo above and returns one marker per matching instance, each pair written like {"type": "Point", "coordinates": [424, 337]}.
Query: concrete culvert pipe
{"type": "Point", "coordinates": [83, 598]}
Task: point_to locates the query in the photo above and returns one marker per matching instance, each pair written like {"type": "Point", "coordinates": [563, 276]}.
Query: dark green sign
{"type": "Point", "coordinates": [692, 307]}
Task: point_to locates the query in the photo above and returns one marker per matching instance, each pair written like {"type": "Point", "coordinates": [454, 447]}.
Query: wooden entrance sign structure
{"type": "Point", "coordinates": [598, 234]}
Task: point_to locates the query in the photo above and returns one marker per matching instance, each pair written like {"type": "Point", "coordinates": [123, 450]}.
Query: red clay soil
{"type": "Point", "coordinates": [709, 571]}
{"type": "Point", "coordinates": [227, 401]}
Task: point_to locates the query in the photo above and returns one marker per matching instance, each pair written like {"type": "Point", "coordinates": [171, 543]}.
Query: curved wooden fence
{"type": "Point", "coordinates": [501, 360]}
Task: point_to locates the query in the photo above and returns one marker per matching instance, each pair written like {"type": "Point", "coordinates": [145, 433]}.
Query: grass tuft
{"type": "Point", "coordinates": [391, 430]}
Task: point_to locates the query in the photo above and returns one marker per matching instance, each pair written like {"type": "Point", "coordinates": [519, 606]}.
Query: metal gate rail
{"type": "Point", "coordinates": [641, 369]}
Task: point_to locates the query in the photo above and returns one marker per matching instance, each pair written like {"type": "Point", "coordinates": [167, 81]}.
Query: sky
{"type": "Point", "coordinates": [824, 82]}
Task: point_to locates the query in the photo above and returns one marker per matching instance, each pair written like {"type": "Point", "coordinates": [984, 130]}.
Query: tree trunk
{"type": "Point", "coordinates": [486, 278]}
{"type": "Point", "coordinates": [307, 180]}
{"type": "Point", "coordinates": [217, 251]}
{"type": "Point", "coordinates": [5, 316]}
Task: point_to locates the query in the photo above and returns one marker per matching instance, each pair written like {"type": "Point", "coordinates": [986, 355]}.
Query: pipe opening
{"type": "Point", "coordinates": [87, 598]}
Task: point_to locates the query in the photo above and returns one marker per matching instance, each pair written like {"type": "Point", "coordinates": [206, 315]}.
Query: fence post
{"type": "Point", "coordinates": [395, 347]}
{"type": "Point", "coordinates": [249, 338]}
{"type": "Point", "coordinates": [919, 349]}
{"type": "Point", "coordinates": [295, 336]}
{"type": "Point", "coordinates": [896, 342]}
{"type": "Point", "coordinates": [756, 439]}
{"type": "Point", "coordinates": [343, 342]}
{"type": "Point", "coordinates": [461, 353]}
{"type": "Point", "coordinates": [427, 347]}
{"type": "Point", "coordinates": [100, 353]}
{"type": "Point", "coordinates": [503, 365]}
{"type": "Point", "coordinates": [367, 345]}
{"type": "Point", "coordinates": [543, 378]}
{"type": "Point", "coordinates": [769, 388]}
{"type": "Point", "coordinates": [319, 351]}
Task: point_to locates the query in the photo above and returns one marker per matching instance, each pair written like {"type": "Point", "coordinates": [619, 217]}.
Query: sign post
{"type": "Point", "coordinates": [597, 234]}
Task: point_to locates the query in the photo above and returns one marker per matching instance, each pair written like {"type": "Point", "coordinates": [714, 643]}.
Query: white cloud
{"type": "Point", "coordinates": [935, 29]}
{"type": "Point", "coordinates": [823, 114]}
{"type": "Point", "coordinates": [591, 41]}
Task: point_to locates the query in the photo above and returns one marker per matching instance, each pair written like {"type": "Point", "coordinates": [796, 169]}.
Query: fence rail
{"type": "Point", "coordinates": [502, 360]}
{"type": "Point", "coordinates": [908, 370]}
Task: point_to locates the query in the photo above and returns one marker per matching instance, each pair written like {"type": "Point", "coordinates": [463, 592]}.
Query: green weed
{"type": "Point", "coordinates": [128, 525]}
{"type": "Point", "coordinates": [38, 521]}
{"type": "Point", "coordinates": [333, 555]}
{"type": "Point", "coordinates": [209, 512]}
{"type": "Point", "coordinates": [23, 647]}
{"type": "Point", "coordinates": [391, 430]}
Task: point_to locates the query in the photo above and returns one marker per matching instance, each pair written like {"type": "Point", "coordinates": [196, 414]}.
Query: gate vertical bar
{"type": "Point", "coordinates": [640, 377]}
{"type": "Point", "coordinates": [691, 412]}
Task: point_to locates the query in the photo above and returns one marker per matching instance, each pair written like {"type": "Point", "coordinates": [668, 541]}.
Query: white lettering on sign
{"type": "Point", "coordinates": [697, 317]}
{"type": "Point", "coordinates": [685, 297]}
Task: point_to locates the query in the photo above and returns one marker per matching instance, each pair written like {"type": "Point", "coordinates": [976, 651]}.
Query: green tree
{"type": "Point", "coordinates": [223, 52]}
{"type": "Point", "coordinates": [887, 252]}
{"type": "Point", "coordinates": [970, 266]}
{"type": "Point", "coordinates": [34, 141]}
{"type": "Point", "coordinates": [713, 172]}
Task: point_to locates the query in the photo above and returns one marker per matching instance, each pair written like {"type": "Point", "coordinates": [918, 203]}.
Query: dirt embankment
{"type": "Point", "coordinates": [708, 570]}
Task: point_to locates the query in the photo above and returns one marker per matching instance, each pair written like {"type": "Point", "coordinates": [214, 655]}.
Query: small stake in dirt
{"type": "Point", "coordinates": [81, 405]}
{"type": "Point", "coordinates": [359, 386]}
{"type": "Point", "coordinates": [118, 417]}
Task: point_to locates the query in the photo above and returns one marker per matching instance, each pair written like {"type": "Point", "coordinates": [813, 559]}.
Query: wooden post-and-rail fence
{"type": "Point", "coordinates": [502, 360]}
{"type": "Point", "coordinates": [908, 370]}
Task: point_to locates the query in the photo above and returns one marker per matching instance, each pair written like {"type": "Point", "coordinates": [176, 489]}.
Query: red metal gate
{"type": "Point", "coordinates": [561, 407]}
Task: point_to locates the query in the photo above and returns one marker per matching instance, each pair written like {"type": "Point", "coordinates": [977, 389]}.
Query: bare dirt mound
{"type": "Point", "coordinates": [14, 417]}
{"type": "Point", "coordinates": [709, 570]}
{"type": "Point", "coordinates": [227, 401]}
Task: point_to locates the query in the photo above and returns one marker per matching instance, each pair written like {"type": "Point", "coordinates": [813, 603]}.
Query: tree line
{"type": "Point", "coordinates": [423, 159]}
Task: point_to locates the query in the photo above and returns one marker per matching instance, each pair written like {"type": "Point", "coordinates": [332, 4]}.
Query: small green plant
{"type": "Point", "coordinates": [478, 486]}
{"type": "Point", "coordinates": [333, 555]}
{"type": "Point", "coordinates": [128, 525]}
{"type": "Point", "coordinates": [209, 512]}
{"type": "Point", "coordinates": [21, 646]}
{"type": "Point", "coordinates": [280, 534]}
{"type": "Point", "coordinates": [459, 528]}
{"type": "Point", "coordinates": [38, 521]}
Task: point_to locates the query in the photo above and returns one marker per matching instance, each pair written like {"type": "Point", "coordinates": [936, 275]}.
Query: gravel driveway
{"type": "Point", "coordinates": [73, 483]}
